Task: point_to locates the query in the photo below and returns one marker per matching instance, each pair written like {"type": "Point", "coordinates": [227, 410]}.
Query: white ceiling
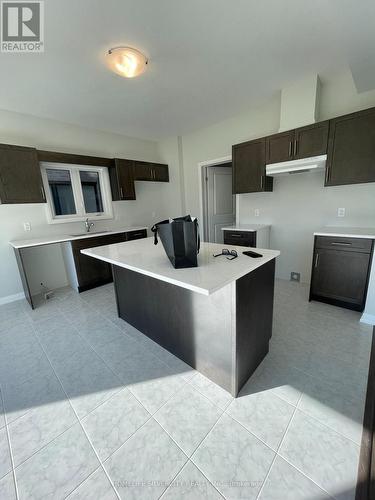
{"type": "Point", "coordinates": [209, 59]}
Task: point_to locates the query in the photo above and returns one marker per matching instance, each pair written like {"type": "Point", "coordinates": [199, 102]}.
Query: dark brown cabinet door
{"type": "Point", "coordinates": [311, 140]}
{"type": "Point", "coordinates": [20, 177]}
{"type": "Point", "coordinates": [280, 147]}
{"type": "Point", "coordinates": [161, 173]}
{"type": "Point", "coordinates": [136, 235]}
{"type": "Point", "coordinates": [93, 272]}
{"type": "Point", "coordinates": [121, 176]}
{"type": "Point", "coordinates": [142, 171]}
{"type": "Point", "coordinates": [351, 149]}
{"type": "Point", "coordinates": [155, 172]}
{"type": "Point", "coordinates": [340, 275]}
{"type": "Point", "coordinates": [249, 167]}
{"type": "Point", "coordinates": [125, 172]}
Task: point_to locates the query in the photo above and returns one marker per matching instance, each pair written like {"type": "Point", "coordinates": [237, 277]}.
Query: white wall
{"type": "Point", "coordinates": [216, 142]}
{"type": "Point", "coordinates": [299, 205]}
{"type": "Point", "coordinates": [155, 201]}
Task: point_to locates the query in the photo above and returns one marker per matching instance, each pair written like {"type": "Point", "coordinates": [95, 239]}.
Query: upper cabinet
{"type": "Point", "coordinates": [20, 177]}
{"type": "Point", "coordinates": [123, 173]}
{"type": "Point", "coordinates": [121, 176]}
{"type": "Point", "coordinates": [300, 143]}
{"type": "Point", "coordinates": [351, 149]}
{"type": "Point", "coordinates": [145, 171]}
{"type": "Point", "coordinates": [249, 167]}
{"type": "Point", "coordinates": [311, 140]}
{"type": "Point", "coordinates": [280, 147]}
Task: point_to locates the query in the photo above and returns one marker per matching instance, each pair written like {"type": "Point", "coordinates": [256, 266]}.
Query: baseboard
{"type": "Point", "coordinates": [369, 319]}
{"type": "Point", "coordinates": [11, 298]}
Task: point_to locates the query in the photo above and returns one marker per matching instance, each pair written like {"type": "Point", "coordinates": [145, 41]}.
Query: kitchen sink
{"type": "Point", "coordinates": [90, 232]}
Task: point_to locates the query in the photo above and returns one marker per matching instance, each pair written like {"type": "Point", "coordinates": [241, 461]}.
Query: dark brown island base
{"type": "Point", "coordinates": [216, 317]}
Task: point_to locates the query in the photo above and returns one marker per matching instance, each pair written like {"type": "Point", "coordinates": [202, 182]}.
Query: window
{"type": "Point", "coordinates": [75, 192]}
{"type": "Point", "coordinates": [60, 185]}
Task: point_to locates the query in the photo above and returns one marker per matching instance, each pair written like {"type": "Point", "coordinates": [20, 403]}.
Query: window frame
{"type": "Point", "coordinates": [81, 214]}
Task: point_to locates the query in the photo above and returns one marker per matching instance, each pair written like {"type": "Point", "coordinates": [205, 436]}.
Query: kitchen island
{"type": "Point", "coordinates": [216, 317]}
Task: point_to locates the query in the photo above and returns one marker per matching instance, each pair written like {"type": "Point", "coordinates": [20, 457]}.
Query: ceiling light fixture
{"type": "Point", "coordinates": [126, 61]}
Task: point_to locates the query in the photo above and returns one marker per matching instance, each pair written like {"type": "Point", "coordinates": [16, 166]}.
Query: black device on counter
{"type": "Point", "coordinates": [250, 253]}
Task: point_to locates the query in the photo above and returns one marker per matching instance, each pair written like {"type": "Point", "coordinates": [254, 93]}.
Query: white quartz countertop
{"type": "Point", "coordinates": [252, 228]}
{"type": "Point", "coordinates": [347, 232]}
{"type": "Point", "coordinates": [60, 238]}
{"type": "Point", "coordinates": [212, 273]}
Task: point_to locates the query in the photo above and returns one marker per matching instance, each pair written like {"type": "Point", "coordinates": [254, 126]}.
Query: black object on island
{"type": "Point", "coordinates": [180, 239]}
{"type": "Point", "coordinates": [252, 254]}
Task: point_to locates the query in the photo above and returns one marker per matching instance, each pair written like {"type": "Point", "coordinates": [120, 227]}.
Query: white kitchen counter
{"type": "Point", "coordinates": [347, 232]}
{"type": "Point", "coordinates": [252, 228]}
{"type": "Point", "coordinates": [61, 238]}
{"type": "Point", "coordinates": [212, 273]}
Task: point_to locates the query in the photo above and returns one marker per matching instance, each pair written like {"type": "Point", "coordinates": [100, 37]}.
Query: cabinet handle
{"type": "Point", "coordinates": [341, 243]}
{"type": "Point", "coordinates": [261, 182]}
{"type": "Point", "coordinates": [327, 173]}
{"type": "Point", "coordinates": [153, 173]}
{"type": "Point", "coordinates": [290, 148]}
{"type": "Point", "coordinates": [236, 235]}
{"type": "Point", "coordinates": [316, 260]}
{"type": "Point", "coordinates": [121, 193]}
{"type": "Point", "coordinates": [295, 147]}
{"type": "Point", "coordinates": [43, 193]}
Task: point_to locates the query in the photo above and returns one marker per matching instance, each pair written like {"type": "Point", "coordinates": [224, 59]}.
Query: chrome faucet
{"type": "Point", "coordinates": [88, 225]}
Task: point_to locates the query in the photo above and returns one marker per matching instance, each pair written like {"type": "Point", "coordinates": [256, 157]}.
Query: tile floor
{"type": "Point", "coordinates": [92, 409]}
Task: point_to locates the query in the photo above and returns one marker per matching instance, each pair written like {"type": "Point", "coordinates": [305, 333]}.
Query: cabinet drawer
{"type": "Point", "coordinates": [241, 238]}
{"type": "Point", "coordinates": [136, 235]}
{"type": "Point", "coordinates": [98, 241]}
{"type": "Point", "coordinates": [347, 244]}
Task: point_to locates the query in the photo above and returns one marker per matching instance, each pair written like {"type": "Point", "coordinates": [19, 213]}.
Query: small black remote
{"type": "Point", "coordinates": [250, 253]}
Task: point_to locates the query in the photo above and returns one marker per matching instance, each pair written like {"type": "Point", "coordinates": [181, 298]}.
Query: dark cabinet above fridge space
{"type": "Point", "coordinates": [154, 172]}
{"type": "Point", "coordinates": [351, 149]}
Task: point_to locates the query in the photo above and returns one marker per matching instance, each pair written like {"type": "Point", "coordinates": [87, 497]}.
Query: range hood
{"type": "Point", "coordinates": [312, 164]}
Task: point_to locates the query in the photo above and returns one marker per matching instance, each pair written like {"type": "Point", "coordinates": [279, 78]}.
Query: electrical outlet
{"type": "Point", "coordinates": [153, 215]}
{"type": "Point", "coordinates": [257, 212]}
{"type": "Point", "coordinates": [295, 276]}
{"type": "Point", "coordinates": [341, 212]}
{"type": "Point", "coordinates": [26, 226]}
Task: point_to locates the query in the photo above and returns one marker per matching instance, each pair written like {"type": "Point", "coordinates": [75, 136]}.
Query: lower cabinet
{"type": "Point", "coordinates": [240, 238]}
{"type": "Point", "coordinates": [86, 272]}
{"type": "Point", "coordinates": [340, 271]}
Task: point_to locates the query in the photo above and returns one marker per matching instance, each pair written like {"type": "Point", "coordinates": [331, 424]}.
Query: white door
{"type": "Point", "coordinates": [220, 201]}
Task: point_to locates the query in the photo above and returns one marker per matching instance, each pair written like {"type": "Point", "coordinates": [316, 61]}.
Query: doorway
{"type": "Point", "coordinates": [219, 207]}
